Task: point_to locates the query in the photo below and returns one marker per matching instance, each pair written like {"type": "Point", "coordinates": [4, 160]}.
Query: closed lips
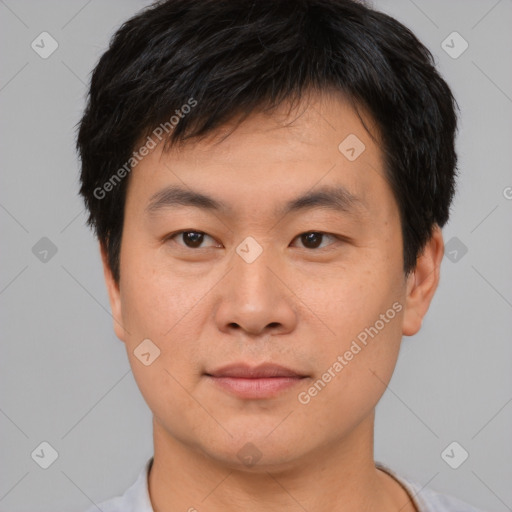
{"type": "Point", "coordinates": [244, 371]}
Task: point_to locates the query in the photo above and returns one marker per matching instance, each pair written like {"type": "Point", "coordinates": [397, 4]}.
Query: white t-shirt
{"type": "Point", "coordinates": [136, 497]}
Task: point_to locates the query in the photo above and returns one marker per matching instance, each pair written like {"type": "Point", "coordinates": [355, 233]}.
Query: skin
{"type": "Point", "coordinates": [295, 305]}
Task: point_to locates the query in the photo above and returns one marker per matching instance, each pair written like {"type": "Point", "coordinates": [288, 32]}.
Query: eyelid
{"type": "Point", "coordinates": [171, 237]}
{"type": "Point", "coordinates": [336, 238]}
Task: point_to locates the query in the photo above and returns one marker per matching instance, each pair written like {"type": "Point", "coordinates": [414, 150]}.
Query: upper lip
{"type": "Point", "coordinates": [246, 371]}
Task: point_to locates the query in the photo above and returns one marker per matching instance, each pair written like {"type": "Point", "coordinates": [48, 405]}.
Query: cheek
{"type": "Point", "coordinates": [156, 302]}
{"type": "Point", "coordinates": [353, 376]}
{"type": "Point", "coordinates": [159, 309]}
{"type": "Point", "coordinates": [363, 312]}
{"type": "Point", "coordinates": [163, 308]}
{"type": "Point", "coordinates": [352, 300]}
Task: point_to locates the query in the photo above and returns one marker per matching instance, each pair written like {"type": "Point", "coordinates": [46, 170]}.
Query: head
{"type": "Point", "coordinates": [306, 149]}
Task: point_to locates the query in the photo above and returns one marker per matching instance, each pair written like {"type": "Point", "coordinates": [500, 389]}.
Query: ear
{"type": "Point", "coordinates": [113, 294]}
{"type": "Point", "coordinates": [422, 283]}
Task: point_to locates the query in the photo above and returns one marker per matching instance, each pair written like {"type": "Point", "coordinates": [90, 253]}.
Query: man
{"type": "Point", "coordinates": [268, 182]}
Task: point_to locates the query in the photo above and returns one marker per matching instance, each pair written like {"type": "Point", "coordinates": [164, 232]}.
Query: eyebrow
{"type": "Point", "coordinates": [173, 196]}
{"type": "Point", "coordinates": [336, 198]}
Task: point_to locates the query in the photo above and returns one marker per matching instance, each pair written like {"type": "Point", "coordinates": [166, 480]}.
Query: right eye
{"type": "Point", "coordinates": [189, 238]}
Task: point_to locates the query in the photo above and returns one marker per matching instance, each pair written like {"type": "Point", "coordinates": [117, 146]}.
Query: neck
{"type": "Point", "coordinates": [340, 478]}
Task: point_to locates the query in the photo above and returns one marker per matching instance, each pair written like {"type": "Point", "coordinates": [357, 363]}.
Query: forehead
{"type": "Point", "coordinates": [271, 158]}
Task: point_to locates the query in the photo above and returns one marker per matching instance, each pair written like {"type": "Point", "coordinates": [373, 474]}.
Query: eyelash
{"type": "Point", "coordinates": [172, 236]}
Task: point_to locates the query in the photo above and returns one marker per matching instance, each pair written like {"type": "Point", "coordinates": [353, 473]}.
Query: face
{"type": "Point", "coordinates": [276, 245]}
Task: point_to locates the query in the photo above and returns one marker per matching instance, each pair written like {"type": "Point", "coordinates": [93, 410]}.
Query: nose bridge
{"type": "Point", "coordinates": [251, 272]}
{"type": "Point", "coordinates": [252, 298]}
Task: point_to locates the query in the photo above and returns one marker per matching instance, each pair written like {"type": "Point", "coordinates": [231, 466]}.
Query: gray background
{"type": "Point", "coordinates": [65, 378]}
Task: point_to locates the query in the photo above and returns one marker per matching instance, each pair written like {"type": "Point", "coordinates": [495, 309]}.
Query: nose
{"type": "Point", "coordinates": [256, 298]}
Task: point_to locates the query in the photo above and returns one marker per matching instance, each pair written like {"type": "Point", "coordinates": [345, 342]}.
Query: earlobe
{"type": "Point", "coordinates": [113, 294]}
{"type": "Point", "coordinates": [422, 283]}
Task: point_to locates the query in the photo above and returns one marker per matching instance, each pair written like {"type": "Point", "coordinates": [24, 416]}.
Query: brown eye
{"type": "Point", "coordinates": [311, 240]}
{"type": "Point", "coordinates": [192, 238]}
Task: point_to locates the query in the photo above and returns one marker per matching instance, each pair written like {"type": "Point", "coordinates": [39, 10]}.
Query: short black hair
{"type": "Point", "coordinates": [228, 58]}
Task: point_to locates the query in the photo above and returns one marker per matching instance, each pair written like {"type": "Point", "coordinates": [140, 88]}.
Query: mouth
{"type": "Point", "coordinates": [255, 382]}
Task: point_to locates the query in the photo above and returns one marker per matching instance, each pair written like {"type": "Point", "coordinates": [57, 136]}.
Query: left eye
{"type": "Point", "coordinates": [313, 239]}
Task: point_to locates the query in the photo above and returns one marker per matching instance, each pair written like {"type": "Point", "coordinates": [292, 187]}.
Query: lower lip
{"type": "Point", "coordinates": [255, 388]}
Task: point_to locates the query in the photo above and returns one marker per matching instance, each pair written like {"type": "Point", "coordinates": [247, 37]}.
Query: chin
{"type": "Point", "coordinates": [256, 451]}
